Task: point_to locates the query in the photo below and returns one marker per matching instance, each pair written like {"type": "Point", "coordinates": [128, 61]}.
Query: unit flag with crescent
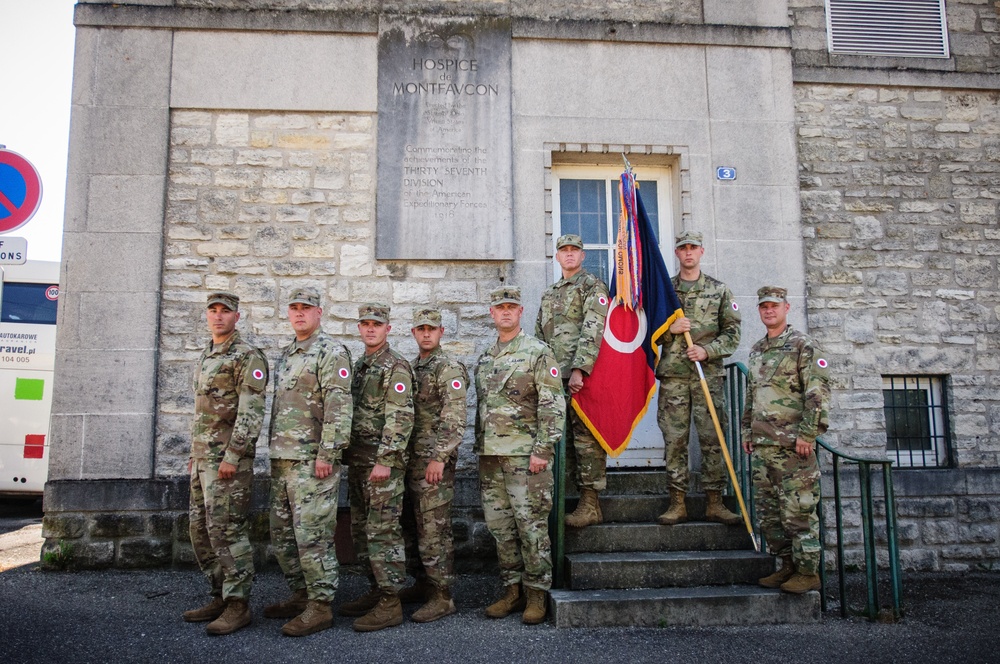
{"type": "Point", "coordinates": [643, 305]}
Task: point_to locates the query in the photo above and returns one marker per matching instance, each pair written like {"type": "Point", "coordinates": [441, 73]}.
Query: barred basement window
{"type": "Point", "coordinates": [916, 420]}
{"type": "Point", "coordinates": [896, 28]}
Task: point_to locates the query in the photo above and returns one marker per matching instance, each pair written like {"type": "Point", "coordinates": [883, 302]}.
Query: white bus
{"type": "Point", "coordinates": [28, 297]}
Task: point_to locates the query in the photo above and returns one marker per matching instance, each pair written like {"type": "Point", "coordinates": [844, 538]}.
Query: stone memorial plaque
{"type": "Point", "coordinates": [444, 139]}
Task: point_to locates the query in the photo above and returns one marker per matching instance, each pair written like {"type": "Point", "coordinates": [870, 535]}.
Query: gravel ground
{"type": "Point", "coordinates": [118, 616]}
{"type": "Point", "coordinates": [134, 616]}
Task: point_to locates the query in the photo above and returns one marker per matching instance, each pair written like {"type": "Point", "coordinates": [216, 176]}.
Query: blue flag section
{"type": "Point", "coordinates": [659, 299]}
{"type": "Point", "coordinates": [617, 394]}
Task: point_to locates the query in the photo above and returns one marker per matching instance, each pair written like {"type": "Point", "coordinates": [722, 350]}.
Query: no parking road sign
{"type": "Point", "coordinates": [20, 191]}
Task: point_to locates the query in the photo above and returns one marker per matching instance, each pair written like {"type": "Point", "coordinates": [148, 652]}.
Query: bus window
{"type": "Point", "coordinates": [27, 303]}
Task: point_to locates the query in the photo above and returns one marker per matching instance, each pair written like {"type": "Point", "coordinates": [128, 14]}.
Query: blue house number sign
{"type": "Point", "coordinates": [725, 173]}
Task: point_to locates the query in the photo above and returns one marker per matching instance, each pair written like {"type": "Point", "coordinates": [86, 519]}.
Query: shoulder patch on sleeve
{"type": "Point", "coordinates": [822, 363]}
{"type": "Point", "coordinates": [400, 387]}
{"type": "Point", "coordinates": [735, 306]}
{"type": "Point", "coordinates": [256, 375]}
{"type": "Point", "coordinates": [554, 371]}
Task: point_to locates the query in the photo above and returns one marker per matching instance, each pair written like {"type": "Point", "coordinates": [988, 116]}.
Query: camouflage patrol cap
{"type": "Point", "coordinates": [228, 300]}
{"type": "Point", "coordinates": [689, 237]}
{"type": "Point", "coordinates": [569, 240]}
{"type": "Point", "coordinates": [774, 294]}
{"type": "Point", "coordinates": [431, 317]}
{"type": "Point", "coordinates": [373, 311]}
{"type": "Point", "coordinates": [308, 296]}
{"type": "Point", "coordinates": [505, 294]}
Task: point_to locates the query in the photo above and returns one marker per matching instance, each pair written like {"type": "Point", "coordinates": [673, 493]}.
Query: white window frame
{"type": "Point", "coordinates": [938, 429]}
{"type": "Point", "coordinates": [662, 175]}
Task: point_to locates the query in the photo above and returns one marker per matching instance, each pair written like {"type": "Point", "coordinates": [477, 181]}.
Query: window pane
{"type": "Point", "coordinates": [26, 303]}
{"type": "Point", "coordinates": [582, 209]}
{"type": "Point", "coordinates": [907, 419]}
{"type": "Point", "coordinates": [597, 263]}
{"type": "Point", "coordinates": [916, 420]}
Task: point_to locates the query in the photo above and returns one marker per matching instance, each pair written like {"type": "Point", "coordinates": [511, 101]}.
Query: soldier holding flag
{"type": "Point", "coordinates": [712, 318]}
{"type": "Point", "coordinates": [571, 321]}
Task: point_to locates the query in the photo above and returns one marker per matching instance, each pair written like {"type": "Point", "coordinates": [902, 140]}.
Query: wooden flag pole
{"type": "Point", "coordinates": [725, 450]}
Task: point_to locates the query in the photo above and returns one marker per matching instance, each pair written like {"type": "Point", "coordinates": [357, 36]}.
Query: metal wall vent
{"type": "Point", "coordinates": [907, 28]}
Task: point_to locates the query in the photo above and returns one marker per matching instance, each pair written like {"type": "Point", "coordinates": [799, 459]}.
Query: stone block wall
{"type": "Point", "coordinates": [899, 191]}
{"type": "Point", "coordinates": [262, 203]}
{"type": "Point", "coordinates": [973, 37]}
{"type": "Point", "coordinates": [144, 523]}
{"type": "Point", "coordinates": [946, 520]}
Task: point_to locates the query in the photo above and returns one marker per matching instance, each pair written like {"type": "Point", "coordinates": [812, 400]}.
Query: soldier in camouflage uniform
{"type": "Point", "coordinates": [712, 317]}
{"type": "Point", "coordinates": [310, 428]}
{"type": "Point", "coordinates": [438, 425]}
{"type": "Point", "coordinates": [376, 478]}
{"type": "Point", "coordinates": [519, 420]}
{"type": "Point", "coordinates": [571, 321]}
{"type": "Point", "coordinates": [787, 406]}
{"type": "Point", "coordinates": [229, 386]}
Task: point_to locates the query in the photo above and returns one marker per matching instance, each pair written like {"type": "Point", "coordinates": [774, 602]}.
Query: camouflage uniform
{"type": "Point", "coordinates": [229, 386]}
{"type": "Point", "coordinates": [383, 420]}
{"type": "Point", "coordinates": [788, 397]}
{"type": "Point", "coordinates": [571, 321]}
{"type": "Point", "coordinates": [715, 326]}
{"type": "Point", "coordinates": [438, 425]}
{"type": "Point", "coordinates": [310, 421]}
{"type": "Point", "coordinates": [521, 412]}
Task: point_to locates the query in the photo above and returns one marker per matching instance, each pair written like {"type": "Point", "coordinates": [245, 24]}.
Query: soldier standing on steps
{"type": "Point", "coordinates": [229, 386]}
{"type": "Point", "coordinates": [787, 405]}
{"type": "Point", "coordinates": [712, 317]}
{"type": "Point", "coordinates": [439, 416]}
{"type": "Point", "coordinates": [519, 419]}
{"type": "Point", "coordinates": [310, 428]}
{"type": "Point", "coordinates": [571, 321]}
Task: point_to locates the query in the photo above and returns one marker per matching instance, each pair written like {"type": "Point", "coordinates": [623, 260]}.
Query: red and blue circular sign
{"type": "Point", "coordinates": [20, 191]}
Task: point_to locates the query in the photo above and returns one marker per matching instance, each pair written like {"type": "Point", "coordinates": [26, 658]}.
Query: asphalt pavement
{"type": "Point", "coordinates": [135, 616]}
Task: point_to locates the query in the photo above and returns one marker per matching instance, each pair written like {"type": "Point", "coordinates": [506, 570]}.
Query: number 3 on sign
{"type": "Point", "coordinates": [725, 173]}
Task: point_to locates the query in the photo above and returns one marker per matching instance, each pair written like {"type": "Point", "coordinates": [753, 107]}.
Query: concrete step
{"type": "Point", "coordinates": [632, 508]}
{"type": "Point", "coordinates": [703, 606]}
{"type": "Point", "coordinates": [660, 569]}
{"type": "Point", "coordinates": [701, 536]}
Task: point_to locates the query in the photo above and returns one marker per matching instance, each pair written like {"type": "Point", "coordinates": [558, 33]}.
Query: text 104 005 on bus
{"type": "Point", "coordinates": [29, 295]}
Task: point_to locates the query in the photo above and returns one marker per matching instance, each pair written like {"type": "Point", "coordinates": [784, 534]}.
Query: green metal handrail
{"type": "Point", "coordinates": [557, 517]}
{"type": "Point", "coordinates": [735, 391]}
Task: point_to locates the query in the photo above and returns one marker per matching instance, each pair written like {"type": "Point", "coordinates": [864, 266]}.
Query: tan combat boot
{"type": "Point", "coordinates": [513, 600]}
{"type": "Point", "coordinates": [361, 605]}
{"type": "Point", "coordinates": [236, 616]}
{"type": "Point", "coordinates": [534, 612]}
{"type": "Point", "coordinates": [717, 511]}
{"type": "Point", "coordinates": [387, 613]}
{"type": "Point", "coordinates": [210, 611]}
{"type": "Point", "coordinates": [418, 593]}
{"type": "Point", "coordinates": [677, 512]}
{"type": "Point", "coordinates": [438, 606]}
{"type": "Point", "coordinates": [289, 608]}
{"type": "Point", "coordinates": [784, 574]}
{"type": "Point", "coordinates": [801, 583]}
{"type": "Point", "coordinates": [587, 512]}
{"type": "Point", "coordinates": [317, 617]}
